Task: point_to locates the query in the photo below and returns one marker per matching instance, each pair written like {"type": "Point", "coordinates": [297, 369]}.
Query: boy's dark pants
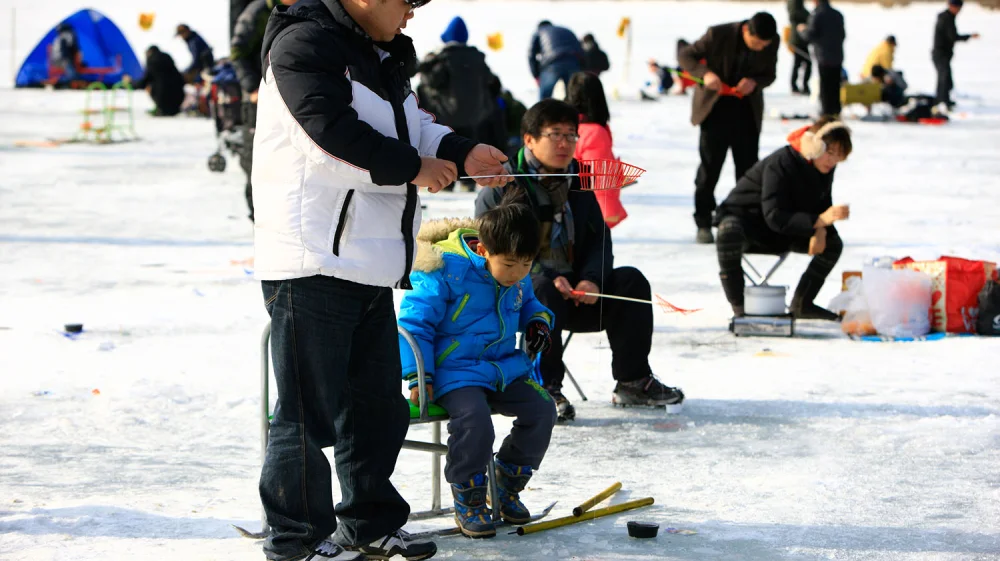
{"type": "Point", "coordinates": [336, 365]}
{"type": "Point", "coordinates": [629, 325]}
{"type": "Point", "coordinates": [470, 430]}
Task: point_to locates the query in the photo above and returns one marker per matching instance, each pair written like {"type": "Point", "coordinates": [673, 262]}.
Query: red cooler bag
{"type": "Point", "coordinates": [955, 291]}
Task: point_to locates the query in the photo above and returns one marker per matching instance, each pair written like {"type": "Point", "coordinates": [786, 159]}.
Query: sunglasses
{"type": "Point", "coordinates": [414, 4]}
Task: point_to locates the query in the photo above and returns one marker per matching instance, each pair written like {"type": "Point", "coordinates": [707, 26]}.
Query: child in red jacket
{"type": "Point", "coordinates": [586, 94]}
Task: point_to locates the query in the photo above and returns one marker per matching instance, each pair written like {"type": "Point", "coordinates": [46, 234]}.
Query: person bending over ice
{"type": "Point", "coordinates": [784, 203]}
{"type": "Point", "coordinates": [471, 295]}
{"type": "Point", "coordinates": [576, 255]}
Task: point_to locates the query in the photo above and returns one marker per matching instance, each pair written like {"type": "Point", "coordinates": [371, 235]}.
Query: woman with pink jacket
{"type": "Point", "coordinates": [586, 94]}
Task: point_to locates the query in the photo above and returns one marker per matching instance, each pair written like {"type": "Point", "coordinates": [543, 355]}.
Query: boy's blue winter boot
{"type": "Point", "coordinates": [511, 480]}
{"type": "Point", "coordinates": [471, 513]}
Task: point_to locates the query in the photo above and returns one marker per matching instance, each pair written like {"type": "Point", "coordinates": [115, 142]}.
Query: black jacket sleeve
{"type": "Point", "coordinates": [595, 258]}
{"type": "Point", "coordinates": [777, 204]}
{"type": "Point", "coordinates": [311, 78]}
{"type": "Point", "coordinates": [455, 149]}
{"type": "Point", "coordinates": [241, 52]}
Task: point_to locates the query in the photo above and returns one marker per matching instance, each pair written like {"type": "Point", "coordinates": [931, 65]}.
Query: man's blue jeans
{"type": "Point", "coordinates": [560, 69]}
{"type": "Point", "coordinates": [336, 363]}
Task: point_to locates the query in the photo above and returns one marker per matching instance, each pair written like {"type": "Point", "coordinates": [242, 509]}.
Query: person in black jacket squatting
{"type": "Point", "coordinates": [341, 148]}
{"type": "Point", "coordinates": [784, 203]}
{"type": "Point", "coordinates": [163, 82]}
{"type": "Point", "coordinates": [576, 255]}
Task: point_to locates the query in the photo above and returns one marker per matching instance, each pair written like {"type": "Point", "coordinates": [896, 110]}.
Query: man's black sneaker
{"type": "Point", "coordinates": [564, 409]}
{"type": "Point", "coordinates": [326, 550]}
{"type": "Point", "coordinates": [398, 543]}
{"type": "Point", "coordinates": [646, 391]}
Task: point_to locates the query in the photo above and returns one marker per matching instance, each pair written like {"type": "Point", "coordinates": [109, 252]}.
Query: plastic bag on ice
{"type": "Point", "coordinates": [899, 301]}
{"type": "Point", "coordinates": [852, 302]}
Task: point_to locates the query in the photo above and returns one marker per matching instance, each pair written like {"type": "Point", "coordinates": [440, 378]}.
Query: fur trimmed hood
{"type": "Point", "coordinates": [429, 256]}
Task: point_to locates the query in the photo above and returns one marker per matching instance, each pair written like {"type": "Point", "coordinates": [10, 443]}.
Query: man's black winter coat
{"type": "Point", "coordinates": [826, 34]}
{"type": "Point", "coordinates": [946, 35]}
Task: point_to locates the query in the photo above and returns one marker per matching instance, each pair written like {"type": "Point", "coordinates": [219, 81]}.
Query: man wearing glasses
{"type": "Point", "coordinates": [576, 256]}
{"type": "Point", "coordinates": [341, 149]}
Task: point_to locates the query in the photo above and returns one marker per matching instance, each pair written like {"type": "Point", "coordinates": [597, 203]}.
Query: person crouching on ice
{"type": "Point", "coordinates": [784, 203]}
{"type": "Point", "coordinates": [471, 295]}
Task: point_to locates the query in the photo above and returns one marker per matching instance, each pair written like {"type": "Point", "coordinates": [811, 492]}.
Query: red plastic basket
{"type": "Point", "coordinates": [599, 175]}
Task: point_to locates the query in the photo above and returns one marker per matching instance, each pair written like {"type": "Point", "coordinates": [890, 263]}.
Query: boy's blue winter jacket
{"type": "Point", "coordinates": [465, 323]}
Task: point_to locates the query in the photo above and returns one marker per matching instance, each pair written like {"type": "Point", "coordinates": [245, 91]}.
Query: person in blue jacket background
{"type": "Point", "coordinates": [471, 296]}
{"type": "Point", "coordinates": [555, 55]}
{"type": "Point", "coordinates": [201, 54]}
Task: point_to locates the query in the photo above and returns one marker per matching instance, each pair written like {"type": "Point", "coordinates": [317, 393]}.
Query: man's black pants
{"type": "Point", "coordinates": [335, 351]}
{"type": "Point", "coordinates": [629, 325]}
{"type": "Point", "coordinates": [731, 124]}
{"type": "Point", "coordinates": [942, 63]}
{"type": "Point", "coordinates": [829, 90]}
{"type": "Point", "coordinates": [807, 66]}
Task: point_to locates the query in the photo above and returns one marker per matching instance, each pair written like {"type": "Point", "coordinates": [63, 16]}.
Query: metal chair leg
{"type": "Point", "coordinates": [491, 479]}
{"type": "Point", "coordinates": [759, 279]}
{"type": "Point", "coordinates": [572, 380]}
{"type": "Point", "coordinates": [265, 403]}
{"type": "Point", "coordinates": [436, 470]}
{"type": "Point", "coordinates": [774, 269]}
{"type": "Point", "coordinates": [569, 374]}
{"type": "Point", "coordinates": [753, 280]}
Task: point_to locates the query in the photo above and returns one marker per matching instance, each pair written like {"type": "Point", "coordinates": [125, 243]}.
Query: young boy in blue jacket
{"type": "Point", "coordinates": [471, 295]}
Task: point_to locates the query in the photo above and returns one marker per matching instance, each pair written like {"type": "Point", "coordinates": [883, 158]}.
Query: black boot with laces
{"type": "Point", "coordinates": [646, 391]}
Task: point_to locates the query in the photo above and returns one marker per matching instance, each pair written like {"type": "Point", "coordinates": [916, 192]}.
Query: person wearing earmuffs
{"type": "Point", "coordinates": [784, 203]}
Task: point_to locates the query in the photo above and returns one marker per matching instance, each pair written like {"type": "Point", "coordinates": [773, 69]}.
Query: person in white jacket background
{"type": "Point", "coordinates": [341, 148]}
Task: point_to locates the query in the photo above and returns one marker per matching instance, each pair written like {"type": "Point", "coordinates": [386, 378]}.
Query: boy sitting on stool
{"type": "Point", "coordinates": [471, 295]}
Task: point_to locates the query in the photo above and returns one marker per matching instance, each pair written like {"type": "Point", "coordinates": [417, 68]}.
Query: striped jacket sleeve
{"type": "Point", "coordinates": [317, 93]}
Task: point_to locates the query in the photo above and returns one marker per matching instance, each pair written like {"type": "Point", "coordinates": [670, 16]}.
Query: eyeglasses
{"type": "Point", "coordinates": [557, 136]}
{"type": "Point", "coordinates": [414, 4]}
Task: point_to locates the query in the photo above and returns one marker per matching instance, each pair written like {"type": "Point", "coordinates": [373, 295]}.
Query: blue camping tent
{"type": "Point", "coordinates": [102, 45]}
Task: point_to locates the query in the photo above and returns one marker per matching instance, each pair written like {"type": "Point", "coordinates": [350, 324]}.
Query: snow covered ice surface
{"type": "Point", "coordinates": [140, 436]}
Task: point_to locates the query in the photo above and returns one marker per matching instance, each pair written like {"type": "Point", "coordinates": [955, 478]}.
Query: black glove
{"type": "Point", "coordinates": [537, 338]}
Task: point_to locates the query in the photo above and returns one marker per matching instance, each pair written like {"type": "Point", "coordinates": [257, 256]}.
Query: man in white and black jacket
{"type": "Point", "coordinates": [340, 150]}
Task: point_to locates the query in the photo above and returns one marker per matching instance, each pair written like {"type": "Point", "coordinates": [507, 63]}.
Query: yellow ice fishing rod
{"type": "Point", "coordinates": [567, 520]}
{"type": "Point", "coordinates": [589, 503]}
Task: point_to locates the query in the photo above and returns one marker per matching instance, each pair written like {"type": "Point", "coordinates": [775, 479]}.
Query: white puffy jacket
{"type": "Point", "coordinates": [330, 178]}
